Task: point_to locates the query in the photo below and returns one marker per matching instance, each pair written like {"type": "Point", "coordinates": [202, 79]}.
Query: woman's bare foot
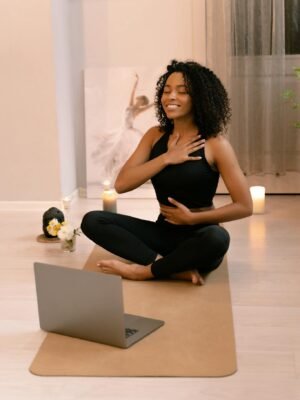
{"type": "Point", "coordinates": [138, 272]}
{"type": "Point", "coordinates": [134, 272]}
{"type": "Point", "coordinates": [192, 276]}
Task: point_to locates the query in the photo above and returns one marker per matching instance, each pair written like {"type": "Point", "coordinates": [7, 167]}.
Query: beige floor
{"type": "Point", "coordinates": [264, 267]}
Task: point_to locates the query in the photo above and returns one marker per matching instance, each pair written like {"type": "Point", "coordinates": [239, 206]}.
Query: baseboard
{"type": "Point", "coordinates": [82, 192]}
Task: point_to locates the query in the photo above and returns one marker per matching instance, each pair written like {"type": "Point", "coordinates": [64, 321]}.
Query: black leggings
{"type": "Point", "coordinates": [183, 247]}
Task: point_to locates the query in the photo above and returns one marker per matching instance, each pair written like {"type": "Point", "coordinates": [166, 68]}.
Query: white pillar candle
{"type": "Point", "coordinates": [66, 203]}
{"type": "Point", "coordinates": [258, 198]}
{"type": "Point", "coordinates": [109, 198]}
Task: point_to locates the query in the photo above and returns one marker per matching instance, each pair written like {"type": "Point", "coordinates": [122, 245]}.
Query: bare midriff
{"type": "Point", "coordinates": [194, 209]}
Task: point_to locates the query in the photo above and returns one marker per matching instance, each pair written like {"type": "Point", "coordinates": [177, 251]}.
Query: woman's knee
{"type": "Point", "coordinates": [90, 220]}
{"type": "Point", "coordinates": [218, 238]}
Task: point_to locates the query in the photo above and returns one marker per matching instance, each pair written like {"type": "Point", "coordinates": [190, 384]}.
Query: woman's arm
{"type": "Point", "coordinates": [241, 206]}
{"type": "Point", "coordinates": [139, 169]}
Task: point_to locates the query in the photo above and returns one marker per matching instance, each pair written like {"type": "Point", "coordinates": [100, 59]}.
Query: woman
{"type": "Point", "coordinates": [183, 157]}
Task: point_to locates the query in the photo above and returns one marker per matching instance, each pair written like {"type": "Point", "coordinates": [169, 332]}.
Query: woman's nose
{"type": "Point", "coordinates": [173, 94]}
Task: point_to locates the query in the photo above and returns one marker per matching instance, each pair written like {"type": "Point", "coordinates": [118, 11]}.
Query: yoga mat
{"type": "Point", "coordinates": [197, 339]}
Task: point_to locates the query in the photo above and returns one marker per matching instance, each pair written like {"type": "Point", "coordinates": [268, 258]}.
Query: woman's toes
{"type": "Point", "coordinates": [197, 278]}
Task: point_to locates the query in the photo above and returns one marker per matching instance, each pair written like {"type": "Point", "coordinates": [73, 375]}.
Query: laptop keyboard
{"type": "Point", "coordinates": [129, 332]}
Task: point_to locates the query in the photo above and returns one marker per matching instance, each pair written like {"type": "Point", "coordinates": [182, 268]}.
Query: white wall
{"type": "Point", "coordinates": [143, 32]}
{"type": "Point", "coordinates": [42, 112]}
{"type": "Point", "coordinates": [29, 161]}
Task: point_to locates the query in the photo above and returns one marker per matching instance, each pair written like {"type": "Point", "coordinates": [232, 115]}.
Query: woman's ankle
{"type": "Point", "coordinates": [142, 272]}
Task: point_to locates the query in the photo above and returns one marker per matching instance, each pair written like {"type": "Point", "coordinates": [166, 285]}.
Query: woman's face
{"type": "Point", "coordinates": [175, 100]}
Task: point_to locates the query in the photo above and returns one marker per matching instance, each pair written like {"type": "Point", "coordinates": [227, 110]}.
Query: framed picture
{"type": "Point", "coordinates": [119, 109]}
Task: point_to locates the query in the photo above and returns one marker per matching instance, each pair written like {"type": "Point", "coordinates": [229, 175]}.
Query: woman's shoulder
{"type": "Point", "coordinates": [154, 134]}
{"type": "Point", "coordinates": [155, 131]}
{"type": "Point", "coordinates": [217, 147]}
{"type": "Point", "coordinates": [216, 143]}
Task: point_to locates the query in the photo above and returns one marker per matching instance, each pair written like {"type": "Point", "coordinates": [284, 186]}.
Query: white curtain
{"type": "Point", "coordinates": [246, 48]}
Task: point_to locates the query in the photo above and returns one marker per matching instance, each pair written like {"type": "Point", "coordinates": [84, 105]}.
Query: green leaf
{"type": "Point", "coordinates": [297, 124]}
{"type": "Point", "coordinates": [297, 71]}
{"type": "Point", "coordinates": [287, 94]}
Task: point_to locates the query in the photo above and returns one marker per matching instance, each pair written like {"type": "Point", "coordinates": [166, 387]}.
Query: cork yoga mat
{"type": "Point", "coordinates": [197, 339]}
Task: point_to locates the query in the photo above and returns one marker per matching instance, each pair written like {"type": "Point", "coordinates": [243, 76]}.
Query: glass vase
{"type": "Point", "coordinates": [69, 245]}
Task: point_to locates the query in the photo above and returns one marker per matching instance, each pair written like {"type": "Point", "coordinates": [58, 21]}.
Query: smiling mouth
{"type": "Point", "coordinates": [172, 107]}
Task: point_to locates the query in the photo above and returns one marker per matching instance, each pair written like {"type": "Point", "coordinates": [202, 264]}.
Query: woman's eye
{"type": "Point", "coordinates": [168, 92]}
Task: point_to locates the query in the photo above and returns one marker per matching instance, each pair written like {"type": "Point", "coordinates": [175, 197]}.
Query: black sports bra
{"type": "Point", "coordinates": [192, 183]}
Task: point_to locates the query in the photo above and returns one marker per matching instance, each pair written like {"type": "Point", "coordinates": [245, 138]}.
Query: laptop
{"type": "Point", "coordinates": [87, 305]}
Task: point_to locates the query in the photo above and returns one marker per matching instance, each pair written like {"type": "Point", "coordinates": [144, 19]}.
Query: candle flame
{"type": "Point", "coordinates": [106, 184]}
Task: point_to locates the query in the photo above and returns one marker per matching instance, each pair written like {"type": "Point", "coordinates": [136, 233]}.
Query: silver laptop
{"type": "Point", "coordinates": [87, 305]}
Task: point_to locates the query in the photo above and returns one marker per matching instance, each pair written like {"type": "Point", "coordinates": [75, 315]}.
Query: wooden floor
{"type": "Point", "coordinates": [264, 268]}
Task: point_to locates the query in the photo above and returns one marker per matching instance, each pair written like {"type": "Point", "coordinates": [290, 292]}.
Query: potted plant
{"type": "Point", "coordinates": [290, 97]}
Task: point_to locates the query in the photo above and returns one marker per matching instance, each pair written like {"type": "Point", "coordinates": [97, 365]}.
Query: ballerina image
{"type": "Point", "coordinates": [115, 147]}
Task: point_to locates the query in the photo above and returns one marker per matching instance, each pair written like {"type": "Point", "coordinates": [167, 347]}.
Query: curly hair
{"type": "Point", "coordinates": [210, 100]}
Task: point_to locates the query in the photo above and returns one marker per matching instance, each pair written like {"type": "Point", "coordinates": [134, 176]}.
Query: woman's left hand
{"type": "Point", "coordinates": [178, 215]}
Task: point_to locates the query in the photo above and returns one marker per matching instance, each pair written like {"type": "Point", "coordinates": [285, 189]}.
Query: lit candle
{"type": "Point", "coordinates": [258, 198]}
{"type": "Point", "coordinates": [109, 198]}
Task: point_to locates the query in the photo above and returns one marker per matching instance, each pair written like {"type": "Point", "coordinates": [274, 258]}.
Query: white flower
{"type": "Point", "coordinates": [66, 232]}
{"type": "Point", "coordinates": [62, 230]}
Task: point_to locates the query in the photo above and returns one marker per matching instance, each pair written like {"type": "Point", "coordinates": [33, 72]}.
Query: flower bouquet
{"type": "Point", "coordinates": [65, 232]}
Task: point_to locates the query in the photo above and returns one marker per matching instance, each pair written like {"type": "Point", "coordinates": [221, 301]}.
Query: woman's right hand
{"type": "Point", "coordinates": [179, 153]}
